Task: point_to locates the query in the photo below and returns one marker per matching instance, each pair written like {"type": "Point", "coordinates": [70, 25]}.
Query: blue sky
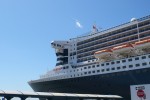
{"type": "Point", "coordinates": [28, 26]}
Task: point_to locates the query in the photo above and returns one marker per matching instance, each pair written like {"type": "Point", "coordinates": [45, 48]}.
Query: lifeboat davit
{"type": "Point", "coordinates": [103, 54]}
{"type": "Point", "coordinates": [124, 50]}
{"type": "Point", "coordinates": [143, 44]}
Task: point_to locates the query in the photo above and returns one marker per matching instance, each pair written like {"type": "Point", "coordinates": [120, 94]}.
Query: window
{"type": "Point", "coordinates": [84, 67]}
{"type": "Point", "coordinates": [149, 56]}
{"type": "Point", "coordinates": [143, 57]}
{"type": "Point", "coordinates": [93, 66]}
{"type": "Point", "coordinates": [103, 70]}
{"type": "Point", "coordinates": [112, 62]}
{"type": "Point", "coordinates": [137, 65]}
{"type": "Point", "coordinates": [137, 58]}
{"type": "Point", "coordinates": [130, 66]}
{"type": "Point", "coordinates": [67, 67]}
{"type": "Point", "coordinates": [97, 65]}
{"type": "Point", "coordinates": [144, 64]}
{"type": "Point", "coordinates": [107, 69]}
{"type": "Point", "coordinates": [118, 67]}
{"type": "Point", "coordinates": [123, 60]}
{"type": "Point", "coordinates": [118, 62]}
{"type": "Point", "coordinates": [107, 63]}
{"type": "Point", "coordinates": [89, 67]}
{"type": "Point", "coordinates": [130, 59]}
{"type": "Point", "coordinates": [89, 72]}
{"type": "Point", "coordinates": [85, 72]}
{"type": "Point", "coordinates": [98, 70]}
{"type": "Point", "coordinates": [113, 68]}
{"type": "Point", "coordinates": [102, 64]}
{"type": "Point", "coordinates": [123, 67]}
{"type": "Point", "coordinates": [93, 71]}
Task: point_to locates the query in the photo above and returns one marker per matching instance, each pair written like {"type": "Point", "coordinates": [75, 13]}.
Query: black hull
{"type": "Point", "coordinates": [114, 83]}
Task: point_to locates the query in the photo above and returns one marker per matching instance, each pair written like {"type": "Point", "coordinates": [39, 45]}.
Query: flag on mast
{"type": "Point", "coordinates": [95, 28]}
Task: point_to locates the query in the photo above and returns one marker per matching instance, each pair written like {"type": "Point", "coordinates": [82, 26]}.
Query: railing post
{"type": "Point", "coordinates": [81, 99]}
{"type": "Point", "coordinates": [49, 99]}
{"type": "Point", "coordinates": [8, 97]}
{"type": "Point", "coordinates": [23, 98]}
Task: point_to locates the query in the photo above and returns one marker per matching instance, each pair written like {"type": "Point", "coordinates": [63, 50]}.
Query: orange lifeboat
{"type": "Point", "coordinates": [125, 49]}
{"type": "Point", "coordinates": [57, 69]}
{"type": "Point", "coordinates": [103, 53]}
{"type": "Point", "coordinates": [143, 44]}
{"type": "Point", "coordinates": [122, 47]}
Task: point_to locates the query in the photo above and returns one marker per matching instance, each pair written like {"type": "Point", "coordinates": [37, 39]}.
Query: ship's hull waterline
{"type": "Point", "coordinates": [114, 83]}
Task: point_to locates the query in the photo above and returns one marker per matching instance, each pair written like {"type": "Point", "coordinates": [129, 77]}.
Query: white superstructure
{"type": "Point", "coordinates": [121, 48]}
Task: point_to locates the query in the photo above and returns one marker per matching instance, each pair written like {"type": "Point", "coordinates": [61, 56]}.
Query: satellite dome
{"type": "Point", "coordinates": [133, 19]}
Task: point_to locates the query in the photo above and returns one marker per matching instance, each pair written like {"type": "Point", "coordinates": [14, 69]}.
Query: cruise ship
{"type": "Point", "coordinates": [101, 62]}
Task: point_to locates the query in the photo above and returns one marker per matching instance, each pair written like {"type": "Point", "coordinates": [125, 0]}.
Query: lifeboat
{"type": "Point", "coordinates": [143, 44]}
{"type": "Point", "coordinates": [103, 54]}
{"type": "Point", "coordinates": [57, 69]}
{"type": "Point", "coordinates": [124, 50]}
